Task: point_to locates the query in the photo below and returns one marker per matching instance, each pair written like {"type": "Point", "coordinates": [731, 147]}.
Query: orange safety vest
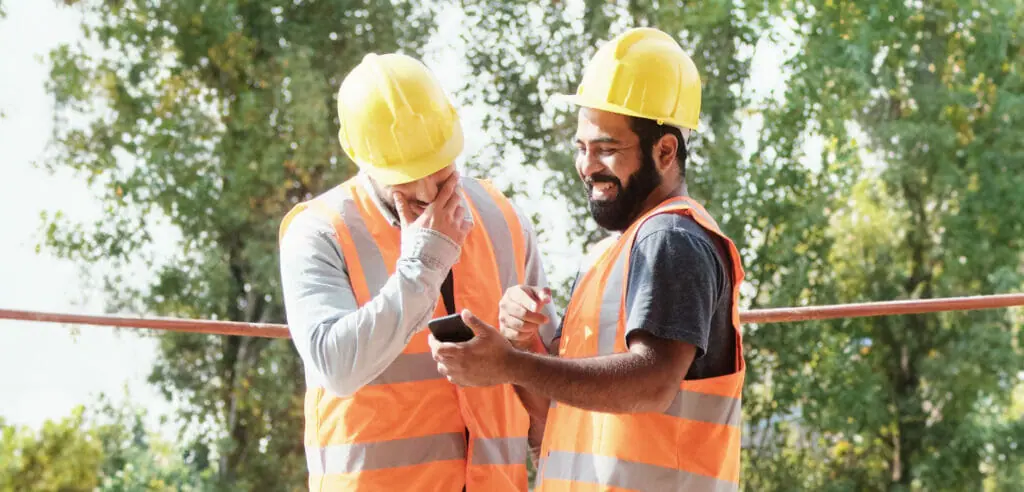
{"type": "Point", "coordinates": [693, 446]}
{"type": "Point", "coordinates": [407, 429]}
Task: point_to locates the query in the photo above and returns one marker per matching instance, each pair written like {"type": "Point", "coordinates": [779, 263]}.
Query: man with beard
{"type": "Point", "coordinates": [646, 387]}
{"type": "Point", "coordinates": [365, 265]}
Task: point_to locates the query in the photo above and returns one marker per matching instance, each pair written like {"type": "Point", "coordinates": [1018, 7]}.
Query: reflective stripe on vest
{"type": "Point", "coordinates": [407, 368]}
{"type": "Point", "coordinates": [352, 458]}
{"type": "Point", "coordinates": [609, 316]}
{"type": "Point", "coordinates": [493, 213]}
{"type": "Point", "coordinates": [701, 407]}
{"type": "Point", "coordinates": [406, 452]}
{"type": "Point", "coordinates": [409, 423]}
{"type": "Point", "coordinates": [642, 451]}
{"type": "Point", "coordinates": [603, 470]}
{"type": "Point", "coordinates": [500, 451]}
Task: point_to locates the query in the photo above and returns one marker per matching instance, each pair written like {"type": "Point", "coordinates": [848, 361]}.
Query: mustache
{"type": "Point", "coordinates": [601, 178]}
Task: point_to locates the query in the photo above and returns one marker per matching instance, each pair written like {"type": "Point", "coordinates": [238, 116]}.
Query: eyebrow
{"type": "Point", "coordinates": [600, 140]}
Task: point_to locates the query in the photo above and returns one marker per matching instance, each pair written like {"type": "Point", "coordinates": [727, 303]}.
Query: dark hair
{"type": "Point", "coordinates": [650, 132]}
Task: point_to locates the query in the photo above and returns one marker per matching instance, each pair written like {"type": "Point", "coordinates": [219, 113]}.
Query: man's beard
{"type": "Point", "coordinates": [618, 213]}
{"type": "Point", "coordinates": [387, 201]}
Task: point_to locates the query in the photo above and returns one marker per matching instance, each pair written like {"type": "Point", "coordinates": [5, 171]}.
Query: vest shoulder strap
{"type": "Point", "coordinates": [685, 203]}
{"type": "Point", "coordinates": [502, 225]}
{"type": "Point", "coordinates": [287, 220]}
{"type": "Point", "coordinates": [316, 205]}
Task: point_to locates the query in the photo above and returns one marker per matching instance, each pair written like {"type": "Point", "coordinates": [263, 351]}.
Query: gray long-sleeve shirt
{"type": "Point", "coordinates": [344, 346]}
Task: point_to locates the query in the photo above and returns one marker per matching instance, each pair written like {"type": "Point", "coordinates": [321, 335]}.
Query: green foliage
{"type": "Point", "coordinates": [135, 459]}
{"type": "Point", "coordinates": [212, 118]}
{"type": "Point", "coordinates": [914, 402]}
{"type": "Point", "coordinates": [215, 117]}
{"type": "Point", "coordinates": [103, 448]}
{"type": "Point", "coordinates": [530, 52]}
{"type": "Point", "coordinates": [868, 403]}
{"type": "Point", "coordinates": [62, 456]}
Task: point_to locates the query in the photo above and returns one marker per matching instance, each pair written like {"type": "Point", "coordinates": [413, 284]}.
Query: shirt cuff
{"type": "Point", "coordinates": [435, 250]}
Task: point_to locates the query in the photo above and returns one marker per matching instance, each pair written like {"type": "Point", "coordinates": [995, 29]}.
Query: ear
{"type": "Point", "coordinates": [665, 151]}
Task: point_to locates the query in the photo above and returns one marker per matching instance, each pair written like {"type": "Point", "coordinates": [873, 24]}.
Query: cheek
{"type": "Point", "coordinates": [423, 190]}
{"type": "Point", "coordinates": [621, 166]}
{"type": "Point", "coordinates": [431, 190]}
{"type": "Point", "coordinates": [387, 195]}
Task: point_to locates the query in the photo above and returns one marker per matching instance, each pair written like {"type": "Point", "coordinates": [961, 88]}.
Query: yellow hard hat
{"type": "Point", "coordinates": [642, 72]}
{"type": "Point", "coordinates": [397, 123]}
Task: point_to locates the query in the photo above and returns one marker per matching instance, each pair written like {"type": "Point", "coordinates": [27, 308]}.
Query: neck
{"type": "Point", "coordinates": [660, 194]}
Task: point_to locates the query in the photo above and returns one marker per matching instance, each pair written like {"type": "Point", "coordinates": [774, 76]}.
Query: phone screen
{"type": "Point", "coordinates": [450, 328]}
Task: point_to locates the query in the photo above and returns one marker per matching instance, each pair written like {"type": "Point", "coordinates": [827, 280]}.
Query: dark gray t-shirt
{"type": "Point", "coordinates": [679, 288]}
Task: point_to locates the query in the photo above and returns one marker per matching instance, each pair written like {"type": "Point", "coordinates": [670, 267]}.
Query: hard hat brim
{"type": "Point", "coordinates": [413, 170]}
{"type": "Point", "coordinates": [577, 100]}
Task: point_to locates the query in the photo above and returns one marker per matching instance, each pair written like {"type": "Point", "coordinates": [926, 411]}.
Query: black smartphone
{"type": "Point", "coordinates": [450, 328]}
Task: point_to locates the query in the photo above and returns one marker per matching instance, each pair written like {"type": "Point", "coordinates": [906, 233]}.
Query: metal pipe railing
{"type": "Point", "coordinates": [885, 308]}
{"type": "Point", "coordinates": [761, 316]}
{"type": "Point", "coordinates": [211, 327]}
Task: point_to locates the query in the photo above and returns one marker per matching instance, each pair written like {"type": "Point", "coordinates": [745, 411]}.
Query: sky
{"type": "Point", "coordinates": [47, 369]}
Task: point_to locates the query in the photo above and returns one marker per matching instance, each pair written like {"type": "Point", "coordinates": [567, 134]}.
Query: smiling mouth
{"type": "Point", "coordinates": [603, 191]}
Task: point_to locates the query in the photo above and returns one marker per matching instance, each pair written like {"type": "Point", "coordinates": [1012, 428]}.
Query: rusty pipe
{"type": "Point", "coordinates": [773, 315]}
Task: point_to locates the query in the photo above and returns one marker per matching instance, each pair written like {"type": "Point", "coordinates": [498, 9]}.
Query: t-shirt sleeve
{"type": "Point", "coordinates": [674, 283]}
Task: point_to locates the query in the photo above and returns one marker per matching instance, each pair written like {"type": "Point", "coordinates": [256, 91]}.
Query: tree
{"type": "Point", "coordinates": [807, 235]}
{"type": "Point", "coordinates": [137, 459]}
{"type": "Point", "coordinates": [63, 456]}
{"type": "Point", "coordinates": [916, 402]}
{"type": "Point", "coordinates": [218, 116]}
{"type": "Point", "coordinates": [211, 119]}
{"type": "Point", "coordinates": [769, 201]}
{"type": "Point", "coordinates": [103, 447]}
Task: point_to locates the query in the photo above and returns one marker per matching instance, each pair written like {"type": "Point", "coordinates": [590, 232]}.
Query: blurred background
{"type": "Point", "coordinates": [854, 151]}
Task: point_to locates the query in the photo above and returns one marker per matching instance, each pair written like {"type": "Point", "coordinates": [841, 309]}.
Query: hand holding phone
{"type": "Point", "coordinates": [450, 328]}
{"type": "Point", "coordinates": [486, 360]}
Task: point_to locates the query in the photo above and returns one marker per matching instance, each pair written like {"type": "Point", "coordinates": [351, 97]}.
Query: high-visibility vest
{"type": "Point", "coordinates": [407, 429]}
{"type": "Point", "coordinates": [693, 446]}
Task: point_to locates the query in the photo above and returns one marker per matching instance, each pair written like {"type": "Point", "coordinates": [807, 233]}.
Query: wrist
{"type": "Point", "coordinates": [517, 367]}
{"type": "Point", "coordinates": [435, 251]}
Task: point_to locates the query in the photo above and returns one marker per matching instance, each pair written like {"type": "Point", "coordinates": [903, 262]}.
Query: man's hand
{"type": "Point", "coordinates": [520, 314]}
{"type": "Point", "coordinates": [445, 214]}
{"type": "Point", "coordinates": [482, 361]}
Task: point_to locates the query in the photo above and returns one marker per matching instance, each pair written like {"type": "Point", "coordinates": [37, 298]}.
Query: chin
{"type": "Point", "coordinates": [611, 220]}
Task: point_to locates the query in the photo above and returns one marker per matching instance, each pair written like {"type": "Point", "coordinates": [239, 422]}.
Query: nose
{"type": "Point", "coordinates": [587, 164]}
{"type": "Point", "coordinates": [425, 191]}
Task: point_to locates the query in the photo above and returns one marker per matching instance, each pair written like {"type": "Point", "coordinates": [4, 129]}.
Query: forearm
{"type": "Point", "coordinates": [618, 383]}
{"type": "Point", "coordinates": [345, 345]}
{"type": "Point", "coordinates": [359, 346]}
